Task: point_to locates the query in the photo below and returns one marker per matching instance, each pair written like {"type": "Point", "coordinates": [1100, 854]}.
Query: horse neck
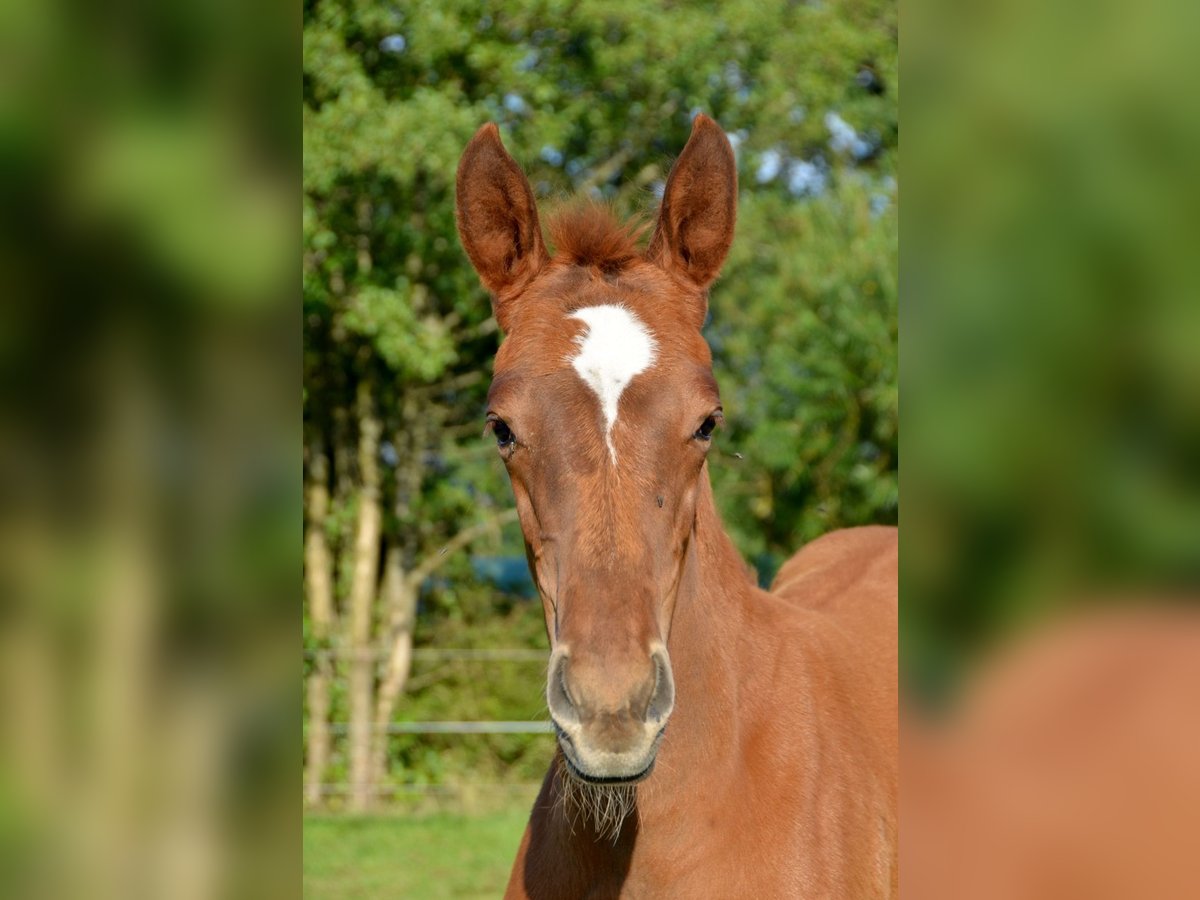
{"type": "Point", "coordinates": [711, 622]}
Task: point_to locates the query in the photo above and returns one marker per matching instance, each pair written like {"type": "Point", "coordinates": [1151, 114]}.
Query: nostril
{"type": "Point", "coordinates": [662, 699]}
{"type": "Point", "coordinates": [558, 698]}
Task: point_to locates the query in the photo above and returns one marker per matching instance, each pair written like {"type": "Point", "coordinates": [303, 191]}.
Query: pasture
{"type": "Point", "coordinates": [426, 857]}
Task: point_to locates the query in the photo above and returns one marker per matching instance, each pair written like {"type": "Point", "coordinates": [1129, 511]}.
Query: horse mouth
{"type": "Point", "coordinates": [580, 775]}
{"type": "Point", "coordinates": [565, 744]}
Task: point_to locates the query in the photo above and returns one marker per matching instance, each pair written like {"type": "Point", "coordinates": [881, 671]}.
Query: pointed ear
{"type": "Point", "coordinates": [699, 206]}
{"type": "Point", "coordinates": [497, 220]}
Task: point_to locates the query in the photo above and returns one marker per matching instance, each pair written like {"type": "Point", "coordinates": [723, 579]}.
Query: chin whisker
{"type": "Point", "coordinates": [604, 807]}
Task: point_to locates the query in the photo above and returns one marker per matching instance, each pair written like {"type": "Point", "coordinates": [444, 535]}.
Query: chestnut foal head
{"type": "Point", "coordinates": [603, 404]}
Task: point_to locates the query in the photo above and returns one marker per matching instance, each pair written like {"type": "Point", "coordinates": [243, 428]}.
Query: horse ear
{"type": "Point", "coordinates": [497, 220]}
{"type": "Point", "coordinates": [699, 206]}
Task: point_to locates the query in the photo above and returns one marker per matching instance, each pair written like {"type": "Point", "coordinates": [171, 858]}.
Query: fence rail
{"type": "Point", "coordinates": [452, 728]}
{"type": "Point", "coordinates": [426, 653]}
{"type": "Point", "coordinates": [470, 794]}
{"type": "Point", "coordinates": [445, 790]}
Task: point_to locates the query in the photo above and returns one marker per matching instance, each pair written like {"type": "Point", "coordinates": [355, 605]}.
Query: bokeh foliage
{"type": "Point", "coordinates": [1052, 326]}
{"type": "Point", "coordinates": [595, 98]}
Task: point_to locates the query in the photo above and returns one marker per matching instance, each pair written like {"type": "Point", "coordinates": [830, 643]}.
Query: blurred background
{"type": "Point", "coordinates": [425, 730]}
{"type": "Point", "coordinates": [1050, 555]}
{"type": "Point", "coordinates": [150, 466]}
{"type": "Point", "coordinates": [1052, 323]}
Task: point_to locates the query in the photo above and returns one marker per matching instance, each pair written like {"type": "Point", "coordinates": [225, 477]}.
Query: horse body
{"type": "Point", "coordinates": [777, 775]}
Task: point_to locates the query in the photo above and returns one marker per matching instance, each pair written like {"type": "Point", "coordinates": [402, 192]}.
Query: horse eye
{"type": "Point", "coordinates": [504, 435]}
{"type": "Point", "coordinates": [704, 432]}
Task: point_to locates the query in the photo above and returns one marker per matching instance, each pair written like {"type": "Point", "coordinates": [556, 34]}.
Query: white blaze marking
{"type": "Point", "coordinates": [615, 347]}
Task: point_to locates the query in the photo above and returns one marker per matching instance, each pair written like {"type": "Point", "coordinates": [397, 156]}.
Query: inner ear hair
{"type": "Point", "coordinates": [498, 220]}
{"type": "Point", "coordinates": [699, 207]}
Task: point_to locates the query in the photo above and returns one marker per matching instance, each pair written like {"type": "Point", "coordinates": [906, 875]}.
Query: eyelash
{"type": "Point", "coordinates": [708, 426]}
{"type": "Point", "coordinates": [504, 435]}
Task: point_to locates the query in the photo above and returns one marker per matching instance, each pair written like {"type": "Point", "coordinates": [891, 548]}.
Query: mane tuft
{"type": "Point", "coordinates": [589, 234]}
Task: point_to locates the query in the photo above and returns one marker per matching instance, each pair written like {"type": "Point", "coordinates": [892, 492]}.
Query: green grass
{"type": "Point", "coordinates": [429, 856]}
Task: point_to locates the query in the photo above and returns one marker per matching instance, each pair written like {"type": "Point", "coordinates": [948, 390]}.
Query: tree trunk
{"type": "Point", "coordinates": [318, 578]}
{"type": "Point", "coordinates": [400, 599]}
{"type": "Point", "coordinates": [362, 595]}
{"type": "Point", "coordinates": [400, 591]}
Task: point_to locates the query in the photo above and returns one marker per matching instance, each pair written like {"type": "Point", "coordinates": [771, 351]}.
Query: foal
{"type": "Point", "coordinates": [777, 777]}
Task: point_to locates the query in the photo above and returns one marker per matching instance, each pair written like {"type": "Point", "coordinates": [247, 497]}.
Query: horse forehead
{"type": "Point", "coordinates": [614, 347]}
{"type": "Point", "coordinates": [585, 347]}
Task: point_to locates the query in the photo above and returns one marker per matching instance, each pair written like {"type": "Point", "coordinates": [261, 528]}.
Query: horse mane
{"type": "Point", "coordinates": [588, 233]}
